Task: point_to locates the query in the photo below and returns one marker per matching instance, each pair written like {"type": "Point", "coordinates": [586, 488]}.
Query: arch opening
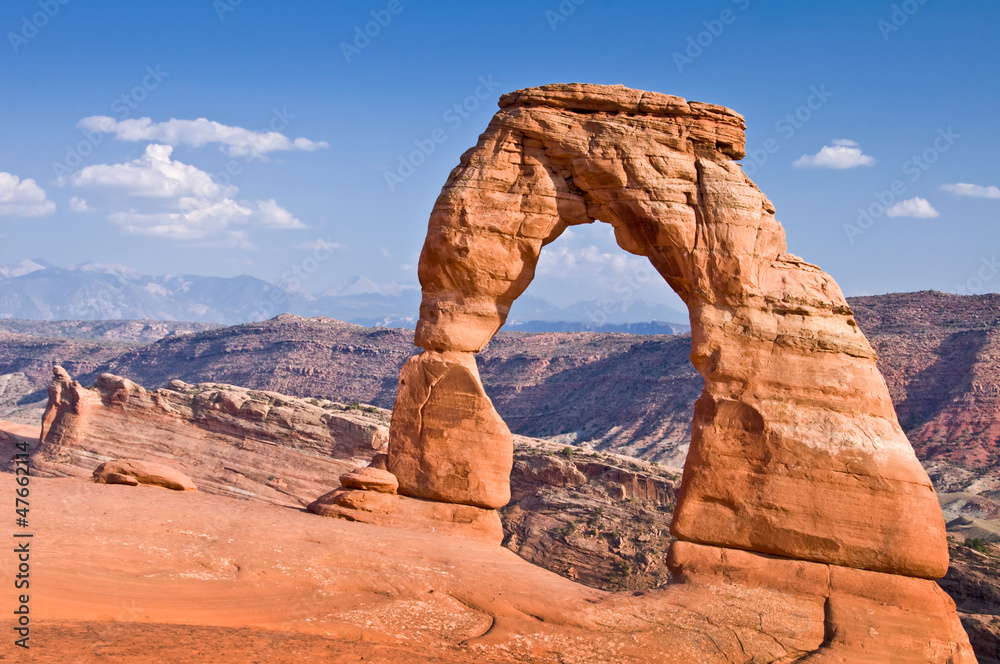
{"type": "Point", "coordinates": [795, 447]}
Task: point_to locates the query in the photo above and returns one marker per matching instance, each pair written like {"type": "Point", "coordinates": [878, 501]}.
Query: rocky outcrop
{"type": "Point", "coordinates": [973, 581]}
{"type": "Point", "coordinates": [867, 616]}
{"type": "Point", "coordinates": [599, 519]}
{"type": "Point", "coordinates": [370, 479]}
{"type": "Point", "coordinates": [226, 439]}
{"type": "Point", "coordinates": [796, 450]}
{"type": "Point", "coordinates": [621, 393]}
{"type": "Point", "coordinates": [450, 444]}
{"type": "Point", "coordinates": [127, 471]}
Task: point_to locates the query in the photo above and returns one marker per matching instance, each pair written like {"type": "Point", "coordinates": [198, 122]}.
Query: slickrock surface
{"type": "Point", "coordinates": [228, 440]}
{"type": "Point", "coordinates": [245, 581]}
{"type": "Point", "coordinates": [544, 488]}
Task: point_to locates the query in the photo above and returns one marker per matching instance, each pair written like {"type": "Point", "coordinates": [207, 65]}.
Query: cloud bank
{"type": "Point", "coordinates": [177, 201]}
{"type": "Point", "coordinates": [916, 207]}
{"type": "Point", "coordinates": [235, 141]}
{"type": "Point", "coordinates": [842, 154]}
{"type": "Point", "coordinates": [23, 198]}
{"type": "Point", "coordinates": [973, 190]}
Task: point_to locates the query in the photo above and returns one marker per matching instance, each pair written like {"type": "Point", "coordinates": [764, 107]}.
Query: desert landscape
{"type": "Point", "coordinates": [560, 332]}
{"type": "Point", "coordinates": [300, 489]}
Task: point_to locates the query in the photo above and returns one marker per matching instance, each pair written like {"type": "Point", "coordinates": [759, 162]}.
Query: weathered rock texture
{"type": "Point", "coordinates": [132, 472]}
{"type": "Point", "coordinates": [796, 450]}
{"type": "Point", "coordinates": [228, 440]}
{"type": "Point", "coordinates": [450, 445]}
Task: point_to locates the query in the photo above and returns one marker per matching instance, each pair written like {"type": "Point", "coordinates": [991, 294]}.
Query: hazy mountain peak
{"type": "Point", "coordinates": [115, 269]}
{"type": "Point", "coordinates": [361, 285]}
{"type": "Point", "coordinates": [27, 266]}
{"type": "Point", "coordinates": [354, 285]}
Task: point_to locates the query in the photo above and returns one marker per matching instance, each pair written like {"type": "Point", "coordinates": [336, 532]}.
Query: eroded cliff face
{"type": "Point", "coordinates": [229, 440]}
{"type": "Point", "coordinates": [798, 468]}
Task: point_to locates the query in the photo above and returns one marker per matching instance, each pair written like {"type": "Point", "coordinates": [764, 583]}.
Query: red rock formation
{"type": "Point", "coordinates": [229, 440]}
{"type": "Point", "coordinates": [796, 449]}
{"type": "Point", "coordinates": [131, 472]}
{"type": "Point", "coordinates": [450, 444]}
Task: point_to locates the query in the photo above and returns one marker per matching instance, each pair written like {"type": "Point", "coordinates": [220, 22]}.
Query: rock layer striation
{"type": "Point", "coordinates": [796, 450]}
{"type": "Point", "coordinates": [226, 439]}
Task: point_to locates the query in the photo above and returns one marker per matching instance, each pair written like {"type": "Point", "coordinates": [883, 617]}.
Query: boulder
{"type": "Point", "coordinates": [117, 478]}
{"type": "Point", "coordinates": [143, 472]}
{"type": "Point", "coordinates": [370, 479]}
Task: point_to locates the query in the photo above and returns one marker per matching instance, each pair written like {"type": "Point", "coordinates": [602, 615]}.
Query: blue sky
{"type": "Point", "coordinates": [839, 98]}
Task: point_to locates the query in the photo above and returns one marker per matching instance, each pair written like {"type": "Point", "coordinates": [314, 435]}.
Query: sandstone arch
{"type": "Point", "coordinates": [796, 450]}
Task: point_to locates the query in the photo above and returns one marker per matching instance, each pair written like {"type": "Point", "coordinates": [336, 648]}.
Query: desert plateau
{"type": "Point", "coordinates": [571, 332]}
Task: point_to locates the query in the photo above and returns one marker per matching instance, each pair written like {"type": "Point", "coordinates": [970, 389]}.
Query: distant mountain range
{"type": "Point", "coordinates": [38, 290]}
{"type": "Point", "coordinates": [939, 353]}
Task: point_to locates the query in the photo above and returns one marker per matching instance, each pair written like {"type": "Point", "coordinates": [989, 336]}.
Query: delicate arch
{"type": "Point", "coordinates": [795, 450]}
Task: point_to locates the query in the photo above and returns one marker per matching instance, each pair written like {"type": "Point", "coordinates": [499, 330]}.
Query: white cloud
{"type": "Point", "coordinates": [913, 207]}
{"type": "Point", "coordinates": [181, 202]}
{"type": "Point", "coordinates": [974, 190]}
{"type": "Point", "coordinates": [153, 175]}
{"type": "Point", "coordinates": [586, 263]}
{"type": "Point", "coordinates": [588, 253]}
{"type": "Point", "coordinates": [77, 204]}
{"type": "Point", "coordinates": [844, 153]}
{"type": "Point", "coordinates": [235, 141]}
{"type": "Point", "coordinates": [23, 198]}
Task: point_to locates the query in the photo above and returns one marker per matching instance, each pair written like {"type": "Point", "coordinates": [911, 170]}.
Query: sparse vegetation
{"type": "Point", "coordinates": [977, 544]}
